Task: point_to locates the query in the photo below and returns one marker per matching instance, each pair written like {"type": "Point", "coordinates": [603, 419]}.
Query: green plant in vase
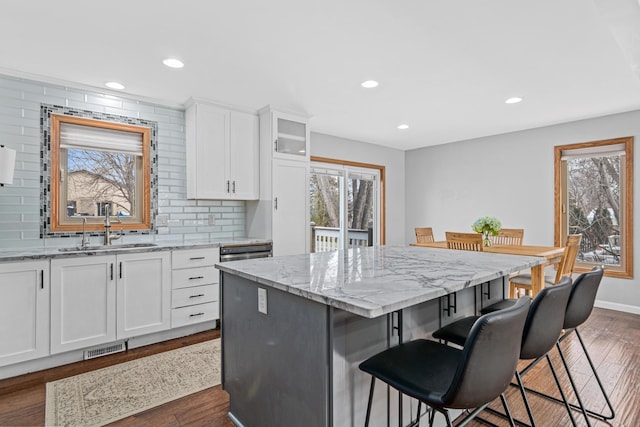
{"type": "Point", "coordinates": [488, 226]}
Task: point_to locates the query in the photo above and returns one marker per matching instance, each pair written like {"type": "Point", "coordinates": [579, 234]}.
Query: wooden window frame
{"type": "Point", "coordinates": [625, 270]}
{"type": "Point", "coordinates": [96, 224]}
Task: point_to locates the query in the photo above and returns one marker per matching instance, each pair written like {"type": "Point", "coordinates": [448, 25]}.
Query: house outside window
{"type": "Point", "coordinates": [594, 198]}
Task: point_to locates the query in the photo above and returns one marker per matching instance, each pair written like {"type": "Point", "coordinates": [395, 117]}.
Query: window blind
{"type": "Point", "coordinates": [99, 139]}
{"type": "Point", "coordinates": [326, 171]}
{"type": "Point", "coordinates": [591, 152]}
{"type": "Point", "coordinates": [362, 176]}
{"type": "Point", "coordinates": [352, 174]}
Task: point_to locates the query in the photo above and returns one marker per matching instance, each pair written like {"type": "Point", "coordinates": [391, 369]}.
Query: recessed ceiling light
{"type": "Point", "coordinates": [403, 126]}
{"type": "Point", "coordinates": [114, 85]}
{"type": "Point", "coordinates": [173, 63]}
{"type": "Point", "coordinates": [369, 84]}
{"type": "Point", "coordinates": [513, 100]}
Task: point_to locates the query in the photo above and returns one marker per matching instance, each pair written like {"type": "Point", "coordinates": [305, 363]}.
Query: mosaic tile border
{"type": "Point", "coordinates": [45, 165]}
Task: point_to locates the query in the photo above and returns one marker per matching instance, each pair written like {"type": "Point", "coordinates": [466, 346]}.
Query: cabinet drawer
{"type": "Point", "coordinates": [195, 314]}
{"type": "Point", "coordinates": [194, 295]}
{"type": "Point", "coordinates": [189, 258]}
{"type": "Point", "coordinates": [194, 277]}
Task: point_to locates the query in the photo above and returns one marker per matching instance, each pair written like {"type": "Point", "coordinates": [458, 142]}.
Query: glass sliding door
{"type": "Point", "coordinates": [344, 207]}
{"type": "Point", "coordinates": [361, 212]}
{"type": "Point", "coordinates": [326, 197]}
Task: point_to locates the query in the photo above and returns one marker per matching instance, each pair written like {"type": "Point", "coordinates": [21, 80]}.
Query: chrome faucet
{"type": "Point", "coordinates": [108, 237]}
{"type": "Point", "coordinates": [85, 241]}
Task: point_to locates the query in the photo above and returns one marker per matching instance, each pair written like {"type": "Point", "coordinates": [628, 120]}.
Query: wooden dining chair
{"type": "Point", "coordinates": [464, 241]}
{"type": "Point", "coordinates": [522, 282]}
{"type": "Point", "coordinates": [424, 235]}
{"type": "Point", "coordinates": [508, 236]}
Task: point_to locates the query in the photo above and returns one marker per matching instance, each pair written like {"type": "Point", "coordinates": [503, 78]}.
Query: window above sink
{"type": "Point", "coordinates": [92, 161]}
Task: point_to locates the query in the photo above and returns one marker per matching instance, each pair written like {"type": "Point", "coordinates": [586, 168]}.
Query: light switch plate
{"type": "Point", "coordinates": [262, 300]}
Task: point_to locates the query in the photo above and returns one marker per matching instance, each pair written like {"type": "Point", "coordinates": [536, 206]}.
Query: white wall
{"type": "Point", "coordinates": [346, 149]}
{"type": "Point", "coordinates": [510, 176]}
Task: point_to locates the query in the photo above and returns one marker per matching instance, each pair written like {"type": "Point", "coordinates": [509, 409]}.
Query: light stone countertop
{"type": "Point", "coordinates": [24, 254]}
{"type": "Point", "coordinates": [374, 281]}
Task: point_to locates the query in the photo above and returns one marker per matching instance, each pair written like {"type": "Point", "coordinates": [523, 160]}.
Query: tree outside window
{"type": "Point", "coordinates": [345, 204]}
{"type": "Point", "coordinates": [593, 198]}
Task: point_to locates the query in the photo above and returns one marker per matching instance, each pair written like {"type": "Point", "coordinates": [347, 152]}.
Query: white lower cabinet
{"type": "Point", "coordinates": [143, 294]}
{"type": "Point", "coordinates": [83, 302]}
{"type": "Point", "coordinates": [24, 311]}
{"type": "Point", "coordinates": [99, 299]}
{"type": "Point", "coordinates": [195, 282]}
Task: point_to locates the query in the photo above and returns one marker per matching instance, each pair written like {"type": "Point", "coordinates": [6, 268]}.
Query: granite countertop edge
{"type": "Point", "coordinates": [25, 254]}
{"type": "Point", "coordinates": [366, 307]}
{"type": "Point", "coordinates": [374, 311]}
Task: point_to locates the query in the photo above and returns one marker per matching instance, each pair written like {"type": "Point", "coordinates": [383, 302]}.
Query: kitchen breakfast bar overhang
{"type": "Point", "coordinates": [295, 328]}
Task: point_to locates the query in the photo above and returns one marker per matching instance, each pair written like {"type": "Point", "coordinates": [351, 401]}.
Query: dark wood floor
{"type": "Point", "coordinates": [22, 399]}
{"type": "Point", "coordinates": [613, 339]}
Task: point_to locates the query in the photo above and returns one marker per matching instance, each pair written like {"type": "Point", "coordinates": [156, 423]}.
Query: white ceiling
{"type": "Point", "coordinates": [445, 67]}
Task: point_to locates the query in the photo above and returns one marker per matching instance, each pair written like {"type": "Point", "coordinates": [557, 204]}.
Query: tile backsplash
{"type": "Point", "coordinates": [20, 203]}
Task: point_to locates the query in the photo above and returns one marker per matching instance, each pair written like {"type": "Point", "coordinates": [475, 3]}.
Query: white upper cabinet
{"type": "Point", "coordinates": [222, 153]}
{"type": "Point", "coordinates": [282, 212]}
{"type": "Point", "coordinates": [244, 164]}
{"type": "Point", "coordinates": [290, 136]}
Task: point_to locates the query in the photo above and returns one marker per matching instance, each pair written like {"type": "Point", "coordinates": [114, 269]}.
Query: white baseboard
{"type": "Point", "coordinates": [78, 356]}
{"type": "Point", "coordinates": [617, 307]}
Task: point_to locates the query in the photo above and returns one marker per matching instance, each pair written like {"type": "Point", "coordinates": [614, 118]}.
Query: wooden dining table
{"type": "Point", "coordinates": [551, 253]}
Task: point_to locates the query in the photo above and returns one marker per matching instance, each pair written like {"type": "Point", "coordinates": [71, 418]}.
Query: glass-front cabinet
{"type": "Point", "coordinates": [290, 135]}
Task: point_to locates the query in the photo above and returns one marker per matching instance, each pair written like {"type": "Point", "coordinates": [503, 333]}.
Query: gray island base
{"type": "Point", "coordinates": [295, 328]}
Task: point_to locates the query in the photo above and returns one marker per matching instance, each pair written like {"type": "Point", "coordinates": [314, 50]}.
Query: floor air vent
{"type": "Point", "coordinates": [103, 351]}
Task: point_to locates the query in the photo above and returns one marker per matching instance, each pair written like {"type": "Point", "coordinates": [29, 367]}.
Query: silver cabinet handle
{"type": "Point", "coordinates": [197, 314]}
{"type": "Point", "coordinates": [196, 258]}
{"type": "Point", "coordinates": [196, 296]}
{"type": "Point", "coordinates": [41, 279]}
{"type": "Point", "coordinates": [227, 186]}
{"type": "Point", "coordinates": [196, 277]}
{"type": "Point", "coordinates": [276, 144]}
{"type": "Point", "coordinates": [275, 203]}
{"type": "Point", "coordinates": [234, 186]}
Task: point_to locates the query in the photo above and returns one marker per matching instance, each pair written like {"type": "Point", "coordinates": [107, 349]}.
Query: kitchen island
{"type": "Point", "coordinates": [295, 328]}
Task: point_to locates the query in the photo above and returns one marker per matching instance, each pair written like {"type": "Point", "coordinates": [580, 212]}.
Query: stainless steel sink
{"type": "Point", "coordinates": [107, 247]}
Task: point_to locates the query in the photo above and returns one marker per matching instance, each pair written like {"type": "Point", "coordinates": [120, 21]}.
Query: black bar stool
{"type": "Point", "coordinates": [579, 307]}
{"type": "Point", "coordinates": [541, 330]}
{"type": "Point", "coordinates": [445, 377]}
